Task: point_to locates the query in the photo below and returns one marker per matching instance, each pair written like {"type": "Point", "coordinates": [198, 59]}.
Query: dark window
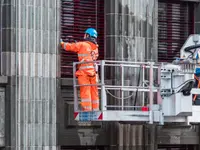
{"type": "Point", "coordinates": [76, 17]}
{"type": "Point", "coordinates": [175, 24]}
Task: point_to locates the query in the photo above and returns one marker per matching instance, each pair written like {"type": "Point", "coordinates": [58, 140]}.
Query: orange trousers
{"type": "Point", "coordinates": [89, 94]}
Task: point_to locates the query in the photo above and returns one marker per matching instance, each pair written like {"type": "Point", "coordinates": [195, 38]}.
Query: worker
{"type": "Point", "coordinates": [87, 50]}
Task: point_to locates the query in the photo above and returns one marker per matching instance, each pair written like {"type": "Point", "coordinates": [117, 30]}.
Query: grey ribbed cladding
{"type": "Point", "coordinates": [131, 34]}
{"type": "Point", "coordinates": [6, 21]}
{"type": "Point", "coordinates": [30, 58]}
{"type": "Point", "coordinates": [131, 31]}
{"type": "Point", "coordinates": [130, 20]}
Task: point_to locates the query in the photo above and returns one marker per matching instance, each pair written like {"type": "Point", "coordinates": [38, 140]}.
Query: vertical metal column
{"type": "Point", "coordinates": [151, 93]}
{"type": "Point", "coordinates": [103, 93]}
{"type": "Point", "coordinates": [75, 88]}
{"type": "Point", "coordinates": [35, 49]}
{"type": "Point", "coordinates": [143, 78]}
{"type": "Point", "coordinates": [159, 98]}
{"type": "Point", "coordinates": [122, 84]}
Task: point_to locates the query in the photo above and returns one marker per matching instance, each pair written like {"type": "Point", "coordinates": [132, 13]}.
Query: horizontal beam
{"type": "Point", "coordinates": [136, 116]}
{"type": "Point", "coordinates": [195, 91]}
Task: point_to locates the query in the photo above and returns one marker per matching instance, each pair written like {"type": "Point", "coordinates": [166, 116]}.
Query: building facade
{"type": "Point", "coordinates": [29, 72]}
{"type": "Point", "coordinates": [36, 75]}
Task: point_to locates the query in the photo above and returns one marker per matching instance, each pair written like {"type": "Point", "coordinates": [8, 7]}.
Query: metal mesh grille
{"type": "Point", "coordinates": [76, 17]}
{"type": "Point", "coordinates": [175, 24]}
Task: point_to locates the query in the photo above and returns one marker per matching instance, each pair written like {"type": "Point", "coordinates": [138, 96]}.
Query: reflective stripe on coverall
{"type": "Point", "coordinates": [87, 51]}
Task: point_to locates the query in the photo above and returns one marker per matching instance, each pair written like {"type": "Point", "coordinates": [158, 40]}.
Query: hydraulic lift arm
{"type": "Point", "coordinates": [174, 90]}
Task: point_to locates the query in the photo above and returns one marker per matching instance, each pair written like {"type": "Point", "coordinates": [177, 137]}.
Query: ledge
{"type": "Point", "coordinates": [3, 79]}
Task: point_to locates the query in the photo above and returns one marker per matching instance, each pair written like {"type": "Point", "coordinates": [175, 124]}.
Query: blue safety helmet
{"type": "Point", "coordinates": [92, 32]}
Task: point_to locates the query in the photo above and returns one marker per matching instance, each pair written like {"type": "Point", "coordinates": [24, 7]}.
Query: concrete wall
{"type": "Point", "coordinates": [29, 38]}
{"type": "Point", "coordinates": [30, 32]}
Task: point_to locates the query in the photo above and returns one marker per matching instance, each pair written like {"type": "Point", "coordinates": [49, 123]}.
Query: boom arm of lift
{"type": "Point", "coordinates": [175, 90]}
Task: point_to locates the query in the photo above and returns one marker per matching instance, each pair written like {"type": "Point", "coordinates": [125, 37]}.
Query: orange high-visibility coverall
{"type": "Point", "coordinates": [87, 51]}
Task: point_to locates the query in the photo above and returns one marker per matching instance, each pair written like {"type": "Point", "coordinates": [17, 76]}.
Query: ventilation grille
{"type": "Point", "coordinates": [76, 17]}
{"type": "Point", "coordinates": [175, 24]}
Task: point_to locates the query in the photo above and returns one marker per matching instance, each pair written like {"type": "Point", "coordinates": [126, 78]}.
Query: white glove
{"type": "Point", "coordinates": [96, 67]}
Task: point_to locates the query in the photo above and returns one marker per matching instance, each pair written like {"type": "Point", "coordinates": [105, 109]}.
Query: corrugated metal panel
{"type": "Point", "coordinates": [175, 24]}
{"type": "Point", "coordinates": [76, 17]}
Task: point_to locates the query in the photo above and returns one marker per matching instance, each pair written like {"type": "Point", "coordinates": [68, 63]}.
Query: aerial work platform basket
{"type": "Point", "coordinates": [165, 93]}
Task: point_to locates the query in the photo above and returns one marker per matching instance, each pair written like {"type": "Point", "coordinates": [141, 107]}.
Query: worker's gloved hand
{"type": "Point", "coordinates": [61, 43]}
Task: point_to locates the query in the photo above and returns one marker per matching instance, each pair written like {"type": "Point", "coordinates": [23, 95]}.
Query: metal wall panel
{"type": "Point", "coordinates": [76, 17]}
{"type": "Point", "coordinates": [30, 59]}
{"type": "Point", "coordinates": [175, 24]}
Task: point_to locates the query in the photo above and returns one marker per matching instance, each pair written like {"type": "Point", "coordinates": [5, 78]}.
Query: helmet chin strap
{"type": "Point", "coordinates": [85, 36]}
{"type": "Point", "coordinates": [91, 39]}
